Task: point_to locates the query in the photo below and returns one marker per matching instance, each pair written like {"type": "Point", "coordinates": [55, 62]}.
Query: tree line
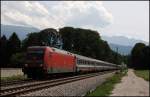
{"type": "Point", "coordinates": [85, 42]}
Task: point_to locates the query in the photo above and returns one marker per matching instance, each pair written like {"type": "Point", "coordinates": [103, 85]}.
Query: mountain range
{"type": "Point", "coordinates": [122, 40]}
{"type": "Point", "coordinates": [123, 43]}
{"type": "Point", "coordinates": [21, 31]}
{"type": "Point", "coordinates": [123, 50]}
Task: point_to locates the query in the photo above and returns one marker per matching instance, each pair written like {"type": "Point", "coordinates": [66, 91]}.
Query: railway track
{"type": "Point", "coordinates": [22, 89]}
{"type": "Point", "coordinates": [8, 83]}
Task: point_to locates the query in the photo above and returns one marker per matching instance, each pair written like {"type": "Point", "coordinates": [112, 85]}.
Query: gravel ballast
{"type": "Point", "coordinates": [77, 88]}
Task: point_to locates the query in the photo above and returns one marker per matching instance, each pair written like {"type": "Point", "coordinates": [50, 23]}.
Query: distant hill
{"type": "Point", "coordinates": [121, 40]}
{"type": "Point", "coordinates": [124, 50]}
{"type": "Point", "coordinates": [21, 31]}
{"type": "Point", "coordinates": [123, 44]}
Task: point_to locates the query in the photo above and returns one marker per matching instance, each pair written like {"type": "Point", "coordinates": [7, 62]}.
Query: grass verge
{"type": "Point", "coordinates": [143, 73]}
{"type": "Point", "coordinates": [106, 88]}
{"type": "Point", "coordinates": [12, 78]}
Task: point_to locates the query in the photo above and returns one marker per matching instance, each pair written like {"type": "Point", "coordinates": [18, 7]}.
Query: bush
{"type": "Point", "coordinates": [17, 60]}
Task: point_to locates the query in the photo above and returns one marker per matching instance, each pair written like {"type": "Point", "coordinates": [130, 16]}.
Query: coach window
{"type": "Point", "coordinates": [95, 63]}
{"type": "Point", "coordinates": [86, 62]}
{"type": "Point", "coordinates": [91, 63]}
{"type": "Point", "coordinates": [78, 61]}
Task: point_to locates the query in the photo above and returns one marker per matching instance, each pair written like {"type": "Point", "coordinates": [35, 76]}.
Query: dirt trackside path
{"type": "Point", "coordinates": [131, 85]}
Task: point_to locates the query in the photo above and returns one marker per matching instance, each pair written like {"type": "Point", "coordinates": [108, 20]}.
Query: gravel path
{"type": "Point", "coordinates": [131, 85]}
{"type": "Point", "coordinates": [77, 88]}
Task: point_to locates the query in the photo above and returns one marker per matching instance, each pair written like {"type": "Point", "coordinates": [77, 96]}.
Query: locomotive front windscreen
{"type": "Point", "coordinates": [35, 56]}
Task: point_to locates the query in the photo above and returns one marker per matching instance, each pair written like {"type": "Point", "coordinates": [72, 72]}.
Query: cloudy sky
{"type": "Point", "coordinates": [109, 18]}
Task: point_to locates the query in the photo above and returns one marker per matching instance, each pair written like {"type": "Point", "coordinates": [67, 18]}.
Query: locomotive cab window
{"type": "Point", "coordinates": [36, 56]}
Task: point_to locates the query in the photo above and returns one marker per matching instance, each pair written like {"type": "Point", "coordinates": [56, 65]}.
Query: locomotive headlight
{"type": "Point", "coordinates": [41, 65]}
{"type": "Point", "coordinates": [26, 65]}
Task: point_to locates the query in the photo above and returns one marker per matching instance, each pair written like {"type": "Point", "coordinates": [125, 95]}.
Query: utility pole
{"type": "Point", "coordinates": [117, 54]}
{"type": "Point", "coordinates": [117, 49]}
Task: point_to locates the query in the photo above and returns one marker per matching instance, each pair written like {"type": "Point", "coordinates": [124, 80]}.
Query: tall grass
{"type": "Point", "coordinates": [15, 77]}
{"type": "Point", "coordinates": [143, 73]}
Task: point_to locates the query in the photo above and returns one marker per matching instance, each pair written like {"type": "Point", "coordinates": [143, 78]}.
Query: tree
{"type": "Point", "coordinates": [145, 57]}
{"type": "Point", "coordinates": [14, 45]}
{"type": "Point", "coordinates": [32, 39]}
{"type": "Point", "coordinates": [137, 55]}
{"type": "Point", "coordinates": [17, 60]}
{"type": "Point", "coordinates": [3, 51]}
{"type": "Point", "coordinates": [67, 34]}
{"type": "Point", "coordinates": [46, 37]}
{"type": "Point", "coordinates": [80, 41]}
{"type": "Point", "coordinates": [50, 37]}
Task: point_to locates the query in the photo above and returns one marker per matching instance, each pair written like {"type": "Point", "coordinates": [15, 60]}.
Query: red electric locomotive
{"type": "Point", "coordinates": [43, 60]}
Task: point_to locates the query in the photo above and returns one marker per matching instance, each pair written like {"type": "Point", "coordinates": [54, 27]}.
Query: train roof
{"type": "Point", "coordinates": [37, 47]}
{"type": "Point", "coordinates": [54, 49]}
{"type": "Point", "coordinates": [62, 51]}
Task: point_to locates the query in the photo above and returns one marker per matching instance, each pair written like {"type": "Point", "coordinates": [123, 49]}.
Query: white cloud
{"type": "Point", "coordinates": [62, 13]}
{"type": "Point", "coordinates": [26, 13]}
{"type": "Point", "coordinates": [83, 13]}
